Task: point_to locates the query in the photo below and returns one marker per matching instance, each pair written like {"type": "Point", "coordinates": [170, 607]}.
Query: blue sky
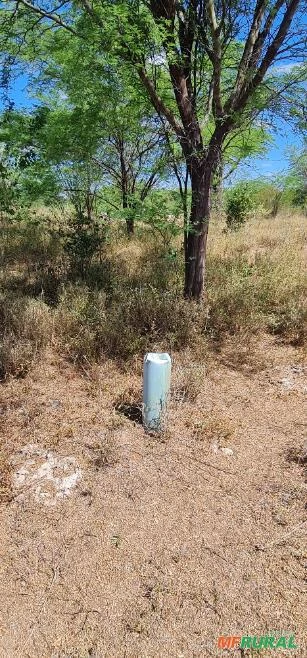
{"type": "Point", "coordinates": [275, 161]}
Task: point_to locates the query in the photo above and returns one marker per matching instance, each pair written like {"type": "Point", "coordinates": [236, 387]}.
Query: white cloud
{"type": "Point", "coordinates": [285, 68]}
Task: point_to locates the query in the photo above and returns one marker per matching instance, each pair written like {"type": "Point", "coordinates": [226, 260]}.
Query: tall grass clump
{"type": "Point", "coordinates": [25, 329]}
{"type": "Point", "coordinates": [282, 295]}
{"type": "Point", "coordinates": [90, 325]}
{"type": "Point", "coordinates": [149, 319]}
{"type": "Point", "coordinates": [256, 281]}
{"type": "Point", "coordinates": [79, 318]}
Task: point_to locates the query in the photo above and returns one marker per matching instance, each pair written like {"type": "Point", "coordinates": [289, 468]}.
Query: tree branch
{"type": "Point", "coordinates": [158, 103]}
{"type": "Point", "coordinates": [90, 10]}
{"type": "Point", "coordinates": [264, 33]}
{"type": "Point", "coordinates": [179, 64]}
{"type": "Point", "coordinates": [216, 58]}
{"type": "Point", "coordinates": [269, 56]}
{"type": "Point", "coordinates": [248, 50]}
{"type": "Point", "coordinates": [50, 15]}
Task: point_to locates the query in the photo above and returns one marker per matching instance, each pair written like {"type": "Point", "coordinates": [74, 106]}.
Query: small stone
{"type": "Point", "coordinates": [56, 404]}
{"type": "Point", "coordinates": [227, 451]}
{"type": "Point", "coordinates": [287, 383]}
{"type": "Point", "coordinates": [286, 498]}
{"type": "Point", "coordinates": [298, 369]}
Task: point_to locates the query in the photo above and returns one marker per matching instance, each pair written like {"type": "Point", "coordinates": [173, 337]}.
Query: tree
{"type": "Point", "coordinates": [214, 55]}
{"type": "Point", "coordinates": [109, 147]}
{"type": "Point", "coordinates": [121, 137]}
{"type": "Point", "coordinates": [209, 27]}
{"type": "Point", "coordinates": [295, 182]}
{"type": "Point", "coordinates": [32, 177]}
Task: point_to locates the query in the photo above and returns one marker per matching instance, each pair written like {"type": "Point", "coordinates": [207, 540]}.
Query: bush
{"type": "Point", "coordinates": [82, 241]}
{"type": "Point", "coordinates": [148, 319]}
{"type": "Point", "coordinates": [290, 322]}
{"type": "Point", "coordinates": [238, 206]}
{"type": "Point", "coordinates": [79, 318]}
{"type": "Point", "coordinates": [134, 320]}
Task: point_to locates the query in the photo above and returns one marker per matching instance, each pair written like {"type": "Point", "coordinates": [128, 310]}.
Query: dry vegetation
{"type": "Point", "coordinates": [116, 544]}
{"type": "Point", "coordinates": [131, 300]}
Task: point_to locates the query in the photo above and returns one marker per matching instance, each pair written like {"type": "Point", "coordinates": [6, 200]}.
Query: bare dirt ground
{"type": "Point", "coordinates": [116, 544]}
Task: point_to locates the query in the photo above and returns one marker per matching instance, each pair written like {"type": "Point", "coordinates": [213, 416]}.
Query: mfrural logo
{"type": "Point", "coordinates": [270, 641]}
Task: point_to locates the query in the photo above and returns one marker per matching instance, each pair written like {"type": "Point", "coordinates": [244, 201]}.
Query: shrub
{"type": "Point", "coordinates": [16, 356]}
{"type": "Point", "coordinates": [149, 319]}
{"type": "Point", "coordinates": [79, 318]}
{"type": "Point", "coordinates": [133, 320]}
{"type": "Point", "coordinates": [160, 212]}
{"type": "Point", "coordinates": [238, 206]}
{"type": "Point", "coordinates": [290, 323]}
{"type": "Point", "coordinates": [161, 267]}
{"type": "Point", "coordinates": [82, 240]}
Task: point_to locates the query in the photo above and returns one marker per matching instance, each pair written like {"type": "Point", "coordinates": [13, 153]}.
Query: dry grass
{"type": "Point", "coordinates": [132, 302]}
{"type": "Point", "coordinates": [25, 329]}
{"type": "Point", "coordinates": [186, 382]}
{"type": "Point", "coordinates": [103, 451]}
{"type": "Point", "coordinates": [288, 230]}
{"type": "Point", "coordinates": [257, 278]}
{"type": "Point", "coordinates": [5, 477]}
{"type": "Point", "coordinates": [215, 429]}
{"type": "Point", "coordinates": [158, 544]}
{"type": "Point", "coordinates": [256, 281]}
{"type": "Point", "coordinates": [162, 546]}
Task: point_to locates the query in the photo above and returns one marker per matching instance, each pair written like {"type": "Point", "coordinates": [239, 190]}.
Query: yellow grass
{"type": "Point", "coordinates": [164, 543]}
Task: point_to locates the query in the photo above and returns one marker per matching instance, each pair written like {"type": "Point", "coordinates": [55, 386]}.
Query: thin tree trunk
{"type": "Point", "coordinates": [129, 220]}
{"type": "Point", "coordinates": [276, 204]}
{"type": "Point", "coordinates": [124, 188]}
{"type": "Point", "coordinates": [197, 229]}
{"type": "Point", "coordinates": [130, 225]}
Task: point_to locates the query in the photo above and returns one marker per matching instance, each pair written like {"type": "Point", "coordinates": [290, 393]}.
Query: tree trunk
{"type": "Point", "coordinates": [197, 229]}
{"type": "Point", "coordinates": [130, 225]}
{"type": "Point", "coordinates": [276, 204]}
{"type": "Point", "coordinates": [124, 189]}
{"type": "Point", "coordinates": [129, 220]}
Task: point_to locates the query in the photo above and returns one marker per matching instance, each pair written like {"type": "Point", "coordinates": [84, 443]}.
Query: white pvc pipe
{"type": "Point", "coordinates": [157, 377]}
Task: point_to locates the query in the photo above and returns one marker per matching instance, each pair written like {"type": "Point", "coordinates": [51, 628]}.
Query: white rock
{"type": "Point", "coordinates": [227, 451]}
{"type": "Point", "coordinates": [50, 480]}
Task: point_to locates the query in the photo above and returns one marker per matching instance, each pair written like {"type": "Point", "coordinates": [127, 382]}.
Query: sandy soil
{"type": "Point", "coordinates": [115, 544]}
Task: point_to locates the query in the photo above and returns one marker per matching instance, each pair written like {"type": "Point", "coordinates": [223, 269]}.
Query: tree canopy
{"type": "Point", "coordinates": [209, 68]}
